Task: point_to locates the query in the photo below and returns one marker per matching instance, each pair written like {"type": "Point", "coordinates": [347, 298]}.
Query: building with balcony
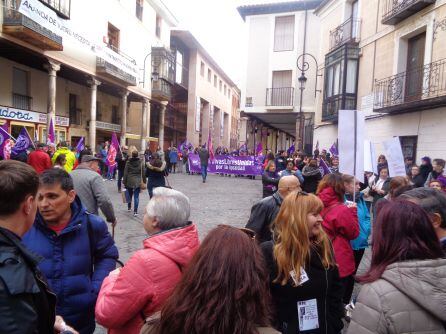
{"type": "Point", "coordinates": [204, 98]}
{"type": "Point", "coordinates": [275, 110]}
{"type": "Point", "coordinates": [401, 75]}
{"type": "Point", "coordinates": [94, 67]}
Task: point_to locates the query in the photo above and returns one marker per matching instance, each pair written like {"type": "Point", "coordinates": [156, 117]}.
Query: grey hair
{"type": "Point", "coordinates": [170, 207]}
{"type": "Point", "coordinates": [431, 200]}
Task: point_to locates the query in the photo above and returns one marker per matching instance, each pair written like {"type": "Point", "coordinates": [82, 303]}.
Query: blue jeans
{"type": "Point", "coordinates": [204, 172]}
{"type": "Point", "coordinates": [131, 192]}
{"type": "Point", "coordinates": [120, 176]}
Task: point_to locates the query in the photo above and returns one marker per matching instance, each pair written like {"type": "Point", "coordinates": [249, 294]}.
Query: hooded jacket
{"type": "Point", "coordinates": [341, 225]}
{"type": "Point", "coordinates": [156, 175]}
{"type": "Point", "coordinates": [361, 242]}
{"type": "Point", "coordinates": [410, 297]}
{"type": "Point", "coordinates": [146, 281]}
{"type": "Point", "coordinates": [69, 156]}
{"type": "Point", "coordinates": [133, 173]}
{"type": "Point", "coordinates": [312, 175]}
{"type": "Point", "coordinates": [68, 263]}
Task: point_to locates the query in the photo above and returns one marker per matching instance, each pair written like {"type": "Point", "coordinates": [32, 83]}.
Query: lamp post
{"type": "Point", "coordinates": [304, 66]}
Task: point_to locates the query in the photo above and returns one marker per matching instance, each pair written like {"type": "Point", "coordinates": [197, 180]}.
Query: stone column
{"type": "Point", "coordinates": [52, 67]}
{"type": "Point", "coordinates": [145, 120]}
{"type": "Point", "coordinates": [124, 96]}
{"type": "Point", "coordinates": [163, 106]}
{"type": "Point", "coordinates": [93, 83]}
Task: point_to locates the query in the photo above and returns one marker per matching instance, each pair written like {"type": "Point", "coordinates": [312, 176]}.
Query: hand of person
{"type": "Point", "coordinates": [60, 326]}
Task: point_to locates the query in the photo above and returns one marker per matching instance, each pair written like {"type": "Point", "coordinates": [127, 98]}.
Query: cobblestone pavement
{"type": "Point", "coordinates": [221, 200]}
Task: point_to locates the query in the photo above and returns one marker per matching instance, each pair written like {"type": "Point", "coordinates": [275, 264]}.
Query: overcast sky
{"type": "Point", "coordinates": [219, 28]}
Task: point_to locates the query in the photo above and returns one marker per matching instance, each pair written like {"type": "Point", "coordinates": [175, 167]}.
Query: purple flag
{"type": "Point", "coordinates": [80, 145]}
{"type": "Point", "coordinates": [113, 150]}
{"type": "Point", "coordinates": [5, 142]}
{"type": "Point", "coordinates": [324, 168]}
{"type": "Point", "coordinates": [51, 134]}
{"type": "Point", "coordinates": [291, 150]}
{"type": "Point", "coordinates": [22, 143]}
{"type": "Point", "coordinates": [259, 149]}
{"type": "Point", "coordinates": [334, 150]}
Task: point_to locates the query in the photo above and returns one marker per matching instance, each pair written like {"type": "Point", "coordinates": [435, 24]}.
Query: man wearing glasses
{"type": "Point", "coordinates": [265, 211]}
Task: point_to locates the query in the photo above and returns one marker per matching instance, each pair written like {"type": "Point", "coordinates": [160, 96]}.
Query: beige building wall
{"type": "Point", "coordinates": [383, 54]}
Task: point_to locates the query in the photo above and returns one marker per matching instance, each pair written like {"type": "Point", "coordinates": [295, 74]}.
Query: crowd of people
{"type": "Point", "coordinates": [292, 269]}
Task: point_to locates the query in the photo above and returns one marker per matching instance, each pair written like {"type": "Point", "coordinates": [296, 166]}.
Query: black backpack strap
{"type": "Point", "coordinates": [91, 241]}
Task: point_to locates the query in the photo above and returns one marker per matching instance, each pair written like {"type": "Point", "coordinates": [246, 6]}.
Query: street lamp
{"type": "Point", "coordinates": [304, 66]}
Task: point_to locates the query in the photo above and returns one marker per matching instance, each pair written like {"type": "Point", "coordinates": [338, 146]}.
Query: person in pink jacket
{"type": "Point", "coordinates": [341, 225]}
{"type": "Point", "coordinates": [140, 288]}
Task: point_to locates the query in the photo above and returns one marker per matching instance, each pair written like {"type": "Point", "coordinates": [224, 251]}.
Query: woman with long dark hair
{"type": "Point", "coordinates": [341, 225]}
{"type": "Point", "coordinates": [305, 284]}
{"type": "Point", "coordinates": [404, 290]}
{"type": "Point", "coordinates": [223, 290]}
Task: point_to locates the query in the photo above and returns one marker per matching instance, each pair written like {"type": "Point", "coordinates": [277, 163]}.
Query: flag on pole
{"type": "Point", "coordinates": [5, 142]}
{"type": "Point", "coordinates": [51, 134]}
{"type": "Point", "coordinates": [80, 145]}
{"type": "Point", "coordinates": [291, 150]}
{"type": "Point", "coordinates": [112, 150]}
{"type": "Point", "coordinates": [259, 149]}
{"type": "Point", "coordinates": [334, 149]}
{"type": "Point", "coordinates": [323, 167]}
{"type": "Point", "coordinates": [23, 142]}
{"type": "Point", "coordinates": [210, 147]}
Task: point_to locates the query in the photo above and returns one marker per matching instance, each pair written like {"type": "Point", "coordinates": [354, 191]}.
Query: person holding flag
{"type": "Point", "coordinates": [5, 142]}
{"type": "Point", "coordinates": [22, 144]}
{"type": "Point", "coordinates": [113, 150]}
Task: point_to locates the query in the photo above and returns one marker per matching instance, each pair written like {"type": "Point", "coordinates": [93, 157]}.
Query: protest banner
{"type": "Point", "coordinates": [394, 156]}
{"type": "Point", "coordinates": [227, 164]}
{"type": "Point", "coordinates": [370, 157]}
{"type": "Point", "coordinates": [351, 143]}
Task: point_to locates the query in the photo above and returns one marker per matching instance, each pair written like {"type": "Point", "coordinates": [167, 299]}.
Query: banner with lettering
{"type": "Point", "coordinates": [227, 164]}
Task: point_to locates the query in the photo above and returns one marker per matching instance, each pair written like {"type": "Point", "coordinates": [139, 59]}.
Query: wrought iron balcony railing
{"type": "Point", "coordinates": [395, 11]}
{"type": "Point", "coordinates": [280, 97]}
{"type": "Point", "coordinates": [421, 88]}
{"type": "Point", "coordinates": [20, 101]}
{"type": "Point", "coordinates": [349, 31]}
{"type": "Point", "coordinates": [332, 105]}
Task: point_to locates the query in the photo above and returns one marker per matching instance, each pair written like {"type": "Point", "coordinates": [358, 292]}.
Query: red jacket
{"type": "Point", "coordinates": [146, 281]}
{"type": "Point", "coordinates": [40, 161]}
{"type": "Point", "coordinates": [341, 225]}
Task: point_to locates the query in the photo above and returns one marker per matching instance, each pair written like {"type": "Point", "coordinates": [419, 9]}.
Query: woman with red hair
{"type": "Point", "coordinates": [404, 290]}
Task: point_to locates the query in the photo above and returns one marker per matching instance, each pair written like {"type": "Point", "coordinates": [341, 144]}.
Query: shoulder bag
{"type": "Point", "coordinates": [142, 185]}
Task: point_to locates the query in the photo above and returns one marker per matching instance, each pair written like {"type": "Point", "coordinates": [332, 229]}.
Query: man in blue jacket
{"type": "Point", "coordinates": [77, 249]}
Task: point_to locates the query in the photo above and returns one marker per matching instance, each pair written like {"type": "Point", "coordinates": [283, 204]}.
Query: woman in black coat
{"type": "Point", "coordinates": [270, 179]}
{"type": "Point", "coordinates": [304, 279]}
{"type": "Point", "coordinates": [156, 173]}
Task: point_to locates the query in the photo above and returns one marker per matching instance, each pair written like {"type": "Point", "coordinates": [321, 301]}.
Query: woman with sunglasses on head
{"type": "Point", "coordinates": [404, 291]}
{"type": "Point", "coordinates": [304, 279]}
{"type": "Point", "coordinates": [341, 225]}
{"type": "Point", "coordinates": [224, 289]}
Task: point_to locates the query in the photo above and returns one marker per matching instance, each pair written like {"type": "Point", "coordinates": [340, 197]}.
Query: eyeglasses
{"type": "Point", "coordinates": [303, 193]}
{"type": "Point", "coordinates": [250, 233]}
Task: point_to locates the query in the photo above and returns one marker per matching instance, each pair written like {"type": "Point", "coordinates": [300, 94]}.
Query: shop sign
{"type": "Point", "coordinates": [48, 18]}
{"type": "Point", "coordinates": [30, 116]}
{"type": "Point", "coordinates": [108, 126]}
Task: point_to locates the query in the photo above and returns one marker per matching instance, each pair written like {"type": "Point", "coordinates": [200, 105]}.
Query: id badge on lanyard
{"type": "Point", "coordinates": [308, 315]}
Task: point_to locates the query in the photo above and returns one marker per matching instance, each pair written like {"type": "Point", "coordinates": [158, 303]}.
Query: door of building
{"type": "Point", "coordinates": [415, 72]}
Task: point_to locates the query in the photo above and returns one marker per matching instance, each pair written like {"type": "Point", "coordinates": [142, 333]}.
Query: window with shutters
{"type": "Point", "coordinates": [284, 33]}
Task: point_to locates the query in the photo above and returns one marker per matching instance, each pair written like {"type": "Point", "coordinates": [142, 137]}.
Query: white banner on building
{"type": "Point", "coordinates": [394, 155]}
{"type": "Point", "coordinates": [351, 142]}
{"type": "Point", "coordinates": [30, 116]}
{"type": "Point", "coordinates": [47, 18]}
{"type": "Point", "coordinates": [370, 157]}
{"type": "Point", "coordinates": [211, 117]}
{"type": "Point", "coordinates": [197, 113]}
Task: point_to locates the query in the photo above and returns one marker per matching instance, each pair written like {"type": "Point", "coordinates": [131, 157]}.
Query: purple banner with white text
{"type": "Point", "coordinates": [228, 164]}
